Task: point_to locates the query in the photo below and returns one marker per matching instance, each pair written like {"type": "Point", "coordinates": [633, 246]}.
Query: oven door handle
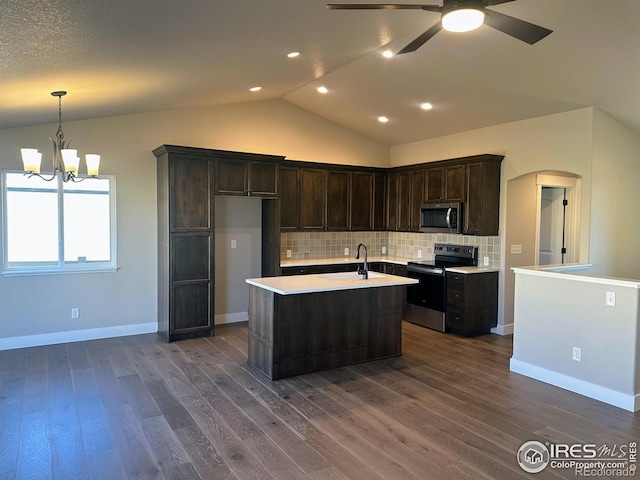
{"type": "Point", "coordinates": [449, 217]}
{"type": "Point", "coordinates": [437, 271]}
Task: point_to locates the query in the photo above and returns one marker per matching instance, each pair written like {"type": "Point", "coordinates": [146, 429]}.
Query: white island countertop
{"type": "Point", "coordinates": [327, 282]}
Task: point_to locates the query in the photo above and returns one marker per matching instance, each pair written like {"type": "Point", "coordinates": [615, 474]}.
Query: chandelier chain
{"type": "Point", "coordinates": [60, 133]}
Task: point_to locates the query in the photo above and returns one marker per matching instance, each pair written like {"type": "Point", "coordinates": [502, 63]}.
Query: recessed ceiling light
{"type": "Point", "coordinates": [426, 106]}
{"type": "Point", "coordinates": [383, 119]}
{"type": "Point", "coordinates": [293, 54]}
{"type": "Point", "coordinates": [387, 54]}
{"type": "Point", "coordinates": [255, 89]}
{"type": "Point", "coordinates": [322, 90]}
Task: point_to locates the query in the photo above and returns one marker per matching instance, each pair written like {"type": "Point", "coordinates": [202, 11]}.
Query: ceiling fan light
{"type": "Point", "coordinates": [463, 19]}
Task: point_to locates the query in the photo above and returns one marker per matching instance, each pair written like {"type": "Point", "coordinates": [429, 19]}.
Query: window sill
{"type": "Point", "coordinates": [57, 271]}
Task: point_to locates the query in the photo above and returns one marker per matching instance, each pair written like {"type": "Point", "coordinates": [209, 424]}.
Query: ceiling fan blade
{"type": "Point", "coordinates": [490, 3]}
{"type": "Point", "coordinates": [422, 39]}
{"type": "Point", "coordinates": [525, 31]}
{"type": "Point", "coordinates": [383, 6]}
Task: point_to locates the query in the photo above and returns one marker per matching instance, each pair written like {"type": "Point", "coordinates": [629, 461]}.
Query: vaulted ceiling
{"type": "Point", "coordinates": [122, 57]}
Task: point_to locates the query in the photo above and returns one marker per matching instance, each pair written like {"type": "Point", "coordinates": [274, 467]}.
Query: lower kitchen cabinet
{"type": "Point", "coordinates": [303, 270]}
{"type": "Point", "coordinates": [395, 269]}
{"type": "Point", "coordinates": [472, 302]}
{"type": "Point", "coordinates": [381, 267]}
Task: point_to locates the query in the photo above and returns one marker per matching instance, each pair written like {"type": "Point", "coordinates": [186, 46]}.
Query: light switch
{"type": "Point", "coordinates": [233, 244]}
{"type": "Point", "coordinates": [516, 249]}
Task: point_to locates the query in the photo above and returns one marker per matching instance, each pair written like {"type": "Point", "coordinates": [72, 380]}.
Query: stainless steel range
{"type": "Point", "coordinates": [427, 300]}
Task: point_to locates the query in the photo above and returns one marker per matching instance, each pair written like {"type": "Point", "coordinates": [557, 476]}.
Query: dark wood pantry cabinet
{"type": "Point", "coordinates": [187, 181]}
{"type": "Point", "coordinates": [186, 237]}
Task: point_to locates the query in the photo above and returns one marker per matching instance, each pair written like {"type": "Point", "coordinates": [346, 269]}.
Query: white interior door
{"type": "Point", "coordinates": [552, 225]}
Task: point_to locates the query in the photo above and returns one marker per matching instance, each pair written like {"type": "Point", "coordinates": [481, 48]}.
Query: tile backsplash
{"type": "Point", "coordinates": [311, 245]}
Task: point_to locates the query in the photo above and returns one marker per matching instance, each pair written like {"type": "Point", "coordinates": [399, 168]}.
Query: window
{"type": "Point", "coordinates": [56, 227]}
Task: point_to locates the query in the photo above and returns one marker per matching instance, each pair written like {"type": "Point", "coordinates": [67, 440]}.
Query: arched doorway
{"type": "Point", "coordinates": [557, 219]}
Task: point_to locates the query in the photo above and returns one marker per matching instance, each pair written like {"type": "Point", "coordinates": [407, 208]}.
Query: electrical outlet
{"type": "Point", "coordinates": [346, 252]}
{"type": "Point", "coordinates": [384, 250]}
{"type": "Point", "coordinates": [419, 253]}
{"type": "Point", "coordinates": [516, 249]}
{"type": "Point", "coordinates": [486, 261]}
{"type": "Point", "coordinates": [577, 354]}
{"type": "Point", "coordinates": [610, 299]}
{"type": "Point", "coordinates": [288, 253]}
{"type": "Point", "coordinates": [234, 244]}
{"type": "Point", "coordinates": [75, 313]}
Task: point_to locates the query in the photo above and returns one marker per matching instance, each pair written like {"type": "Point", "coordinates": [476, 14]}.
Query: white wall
{"type": "Point", "coordinates": [127, 298]}
{"type": "Point", "coordinates": [239, 220]}
{"type": "Point", "coordinates": [125, 301]}
{"type": "Point", "coordinates": [615, 195]}
{"type": "Point", "coordinates": [556, 312]}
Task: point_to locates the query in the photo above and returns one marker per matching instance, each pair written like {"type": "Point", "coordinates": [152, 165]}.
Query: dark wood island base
{"type": "Point", "coordinates": [295, 334]}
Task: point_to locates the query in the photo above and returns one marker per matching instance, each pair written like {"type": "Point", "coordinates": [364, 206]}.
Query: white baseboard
{"type": "Point", "coordinates": [502, 329]}
{"type": "Point", "coordinates": [77, 335]}
{"type": "Point", "coordinates": [231, 318]}
{"type": "Point", "coordinates": [630, 403]}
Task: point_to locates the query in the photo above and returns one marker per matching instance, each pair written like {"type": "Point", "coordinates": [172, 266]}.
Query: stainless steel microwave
{"type": "Point", "coordinates": [441, 217]}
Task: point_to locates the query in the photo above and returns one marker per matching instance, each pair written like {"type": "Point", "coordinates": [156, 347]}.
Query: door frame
{"type": "Point", "coordinates": [573, 187]}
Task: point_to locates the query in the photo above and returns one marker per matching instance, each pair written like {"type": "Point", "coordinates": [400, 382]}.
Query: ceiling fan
{"type": "Point", "coordinates": [459, 16]}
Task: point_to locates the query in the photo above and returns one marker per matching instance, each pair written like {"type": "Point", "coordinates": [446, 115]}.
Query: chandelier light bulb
{"type": "Point", "coordinates": [31, 158]}
{"type": "Point", "coordinates": [93, 164]}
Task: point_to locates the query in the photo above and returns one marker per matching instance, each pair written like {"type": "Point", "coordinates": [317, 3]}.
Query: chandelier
{"type": "Point", "coordinates": [65, 160]}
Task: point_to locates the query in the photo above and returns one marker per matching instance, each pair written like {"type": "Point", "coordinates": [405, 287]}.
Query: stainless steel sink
{"type": "Point", "coordinates": [348, 276]}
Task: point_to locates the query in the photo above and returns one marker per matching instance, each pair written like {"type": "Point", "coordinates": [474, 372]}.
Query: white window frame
{"type": "Point", "coordinates": [61, 267]}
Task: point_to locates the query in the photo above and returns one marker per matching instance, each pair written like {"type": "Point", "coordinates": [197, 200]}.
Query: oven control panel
{"type": "Point", "coordinates": [455, 250]}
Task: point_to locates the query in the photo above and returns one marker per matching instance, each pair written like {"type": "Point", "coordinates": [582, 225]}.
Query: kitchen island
{"type": "Point", "coordinates": [306, 323]}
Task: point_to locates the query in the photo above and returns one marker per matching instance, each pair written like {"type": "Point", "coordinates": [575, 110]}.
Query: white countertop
{"type": "Point", "coordinates": [469, 270]}
{"type": "Point", "coordinates": [327, 282]}
{"type": "Point", "coordinates": [580, 272]}
{"type": "Point", "coordinates": [338, 260]}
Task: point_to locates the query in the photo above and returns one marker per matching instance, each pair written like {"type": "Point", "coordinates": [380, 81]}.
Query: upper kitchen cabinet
{"type": "Point", "coordinates": [289, 198]}
{"type": "Point", "coordinates": [313, 199]}
{"type": "Point", "coordinates": [454, 183]}
{"type": "Point", "coordinates": [404, 201]}
{"type": "Point", "coordinates": [391, 213]}
{"type": "Point", "coordinates": [379, 196]}
{"type": "Point", "coordinates": [474, 181]}
{"type": "Point", "coordinates": [410, 197]}
{"type": "Point", "coordinates": [444, 184]}
{"type": "Point", "coordinates": [362, 200]}
{"type": "Point", "coordinates": [245, 174]}
{"type": "Point", "coordinates": [337, 204]}
{"type": "Point", "coordinates": [482, 196]}
{"type": "Point", "coordinates": [434, 185]}
{"type": "Point", "coordinates": [317, 197]}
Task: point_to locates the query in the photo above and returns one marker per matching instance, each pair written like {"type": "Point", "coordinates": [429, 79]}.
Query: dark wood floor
{"type": "Point", "coordinates": [134, 407]}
